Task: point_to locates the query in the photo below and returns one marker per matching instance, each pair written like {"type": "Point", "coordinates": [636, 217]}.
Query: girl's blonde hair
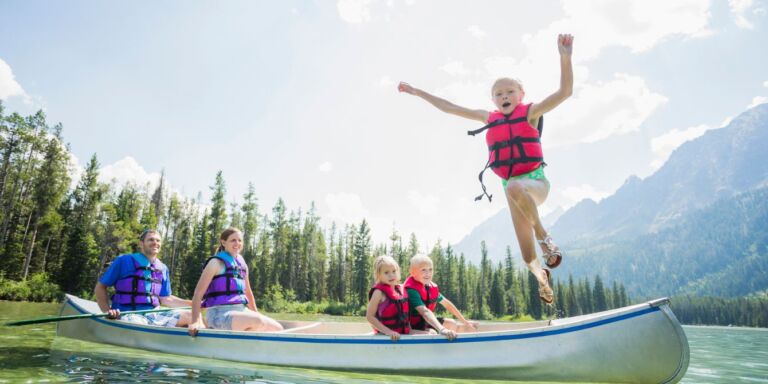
{"type": "Point", "coordinates": [382, 261]}
{"type": "Point", "coordinates": [507, 79]}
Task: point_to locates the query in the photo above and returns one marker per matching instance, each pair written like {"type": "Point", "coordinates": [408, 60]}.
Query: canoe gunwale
{"type": "Point", "coordinates": [588, 322]}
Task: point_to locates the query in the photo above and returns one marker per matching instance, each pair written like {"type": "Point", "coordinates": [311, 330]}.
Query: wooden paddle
{"type": "Point", "coordinates": [83, 316]}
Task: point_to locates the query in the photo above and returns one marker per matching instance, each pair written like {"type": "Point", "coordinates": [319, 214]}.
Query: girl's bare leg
{"type": "Point", "coordinates": [529, 192]}
{"type": "Point", "coordinates": [526, 195]}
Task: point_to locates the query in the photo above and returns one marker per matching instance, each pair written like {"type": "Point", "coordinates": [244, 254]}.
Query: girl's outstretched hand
{"type": "Point", "coordinates": [565, 43]}
{"type": "Point", "coordinates": [405, 87]}
{"type": "Point", "coordinates": [394, 336]}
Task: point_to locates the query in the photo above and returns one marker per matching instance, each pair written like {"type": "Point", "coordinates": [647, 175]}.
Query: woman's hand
{"type": "Point", "coordinates": [195, 326]}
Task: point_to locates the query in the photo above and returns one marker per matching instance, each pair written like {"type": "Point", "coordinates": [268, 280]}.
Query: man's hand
{"type": "Point", "coordinates": [113, 314]}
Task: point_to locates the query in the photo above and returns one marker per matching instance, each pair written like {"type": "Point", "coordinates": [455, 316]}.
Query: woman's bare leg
{"type": "Point", "coordinates": [254, 321]}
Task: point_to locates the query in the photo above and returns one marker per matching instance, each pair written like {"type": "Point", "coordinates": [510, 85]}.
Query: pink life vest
{"type": "Point", "coordinates": [514, 145]}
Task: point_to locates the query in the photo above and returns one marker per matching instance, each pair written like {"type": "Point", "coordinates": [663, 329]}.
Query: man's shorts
{"type": "Point", "coordinates": [162, 319]}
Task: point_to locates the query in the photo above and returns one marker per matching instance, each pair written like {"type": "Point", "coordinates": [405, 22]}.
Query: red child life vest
{"type": "Point", "coordinates": [514, 145]}
{"type": "Point", "coordinates": [428, 295]}
{"type": "Point", "coordinates": [395, 314]}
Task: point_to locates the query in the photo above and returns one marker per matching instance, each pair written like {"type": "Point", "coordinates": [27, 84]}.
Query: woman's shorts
{"type": "Point", "coordinates": [162, 319]}
{"type": "Point", "coordinates": [220, 316]}
{"type": "Point", "coordinates": [536, 174]}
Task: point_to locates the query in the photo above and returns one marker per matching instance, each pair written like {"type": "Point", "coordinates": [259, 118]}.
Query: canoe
{"type": "Point", "coordinates": [642, 343]}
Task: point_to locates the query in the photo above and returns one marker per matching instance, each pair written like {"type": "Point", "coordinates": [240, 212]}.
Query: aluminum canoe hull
{"type": "Point", "coordinates": [642, 343]}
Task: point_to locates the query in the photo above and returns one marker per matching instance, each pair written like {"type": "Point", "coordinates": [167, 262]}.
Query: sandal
{"type": "Point", "coordinates": [546, 294]}
{"type": "Point", "coordinates": [552, 255]}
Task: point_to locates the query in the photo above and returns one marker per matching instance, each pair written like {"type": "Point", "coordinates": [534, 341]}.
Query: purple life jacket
{"type": "Point", "coordinates": [142, 288]}
{"type": "Point", "coordinates": [227, 288]}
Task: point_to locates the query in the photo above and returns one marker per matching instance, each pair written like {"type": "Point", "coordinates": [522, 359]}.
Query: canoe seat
{"type": "Point", "coordinates": [299, 329]}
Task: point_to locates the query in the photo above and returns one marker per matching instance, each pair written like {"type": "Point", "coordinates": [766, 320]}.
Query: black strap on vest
{"type": "Point", "coordinates": [135, 284]}
{"type": "Point", "coordinates": [230, 273]}
{"type": "Point", "coordinates": [516, 141]}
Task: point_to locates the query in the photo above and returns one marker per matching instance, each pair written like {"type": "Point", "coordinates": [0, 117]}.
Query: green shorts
{"type": "Point", "coordinates": [536, 174]}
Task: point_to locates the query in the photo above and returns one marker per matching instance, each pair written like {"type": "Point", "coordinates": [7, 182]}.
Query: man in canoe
{"type": "Point", "coordinates": [141, 281]}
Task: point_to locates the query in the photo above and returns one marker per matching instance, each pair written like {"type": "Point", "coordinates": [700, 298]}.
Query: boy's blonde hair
{"type": "Point", "coordinates": [381, 262]}
{"type": "Point", "coordinates": [419, 260]}
{"type": "Point", "coordinates": [503, 79]}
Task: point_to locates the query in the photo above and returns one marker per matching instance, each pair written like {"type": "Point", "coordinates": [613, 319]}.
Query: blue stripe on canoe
{"type": "Point", "coordinates": [382, 340]}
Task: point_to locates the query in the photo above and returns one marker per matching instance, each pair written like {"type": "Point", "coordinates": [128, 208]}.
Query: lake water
{"type": "Point", "coordinates": [33, 354]}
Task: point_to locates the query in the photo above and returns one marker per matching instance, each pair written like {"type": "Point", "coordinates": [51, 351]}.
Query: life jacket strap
{"type": "Point", "coordinates": [505, 120]}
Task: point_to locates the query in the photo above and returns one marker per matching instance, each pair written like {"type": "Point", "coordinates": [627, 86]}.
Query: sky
{"type": "Point", "coordinates": [299, 97]}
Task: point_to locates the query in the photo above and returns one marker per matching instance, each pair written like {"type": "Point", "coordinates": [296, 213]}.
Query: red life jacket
{"type": "Point", "coordinates": [395, 314]}
{"type": "Point", "coordinates": [514, 145]}
{"type": "Point", "coordinates": [428, 295]}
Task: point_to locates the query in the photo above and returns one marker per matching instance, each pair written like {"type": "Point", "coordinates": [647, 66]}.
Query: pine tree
{"type": "Point", "coordinates": [362, 272]}
{"type": "Point", "coordinates": [218, 215]}
{"type": "Point", "coordinates": [497, 297]}
{"type": "Point", "coordinates": [598, 295]}
{"type": "Point", "coordinates": [534, 302]}
{"type": "Point", "coordinates": [82, 252]}
{"type": "Point", "coordinates": [49, 187]}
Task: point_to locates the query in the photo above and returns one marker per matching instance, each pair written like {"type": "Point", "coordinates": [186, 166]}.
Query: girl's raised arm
{"type": "Point", "coordinates": [565, 47]}
{"type": "Point", "coordinates": [445, 105]}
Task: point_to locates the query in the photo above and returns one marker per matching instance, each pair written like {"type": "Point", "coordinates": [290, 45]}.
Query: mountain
{"type": "Point", "coordinates": [718, 164]}
{"type": "Point", "coordinates": [498, 233]}
{"type": "Point", "coordinates": [719, 250]}
{"type": "Point", "coordinates": [663, 235]}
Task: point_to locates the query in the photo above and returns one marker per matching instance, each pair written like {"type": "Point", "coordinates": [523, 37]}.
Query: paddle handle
{"type": "Point", "coordinates": [83, 316]}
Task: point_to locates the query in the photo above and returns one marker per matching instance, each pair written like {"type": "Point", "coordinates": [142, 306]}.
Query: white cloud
{"type": "Point", "coordinates": [638, 25]}
{"type": "Point", "coordinates": [739, 8]}
{"type": "Point", "coordinates": [75, 170]}
{"type": "Point", "coordinates": [454, 68]}
{"type": "Point", "coordinates": [476, 31]}
{"type": "Point", "coordinates": [757, 100]}
{"type": "Point", "coordinates": [325, 167]}
{"type": "Point", "coordinates": [128, 171]}
{"type": "Point", "coordinates": [576, 193]}
{"type": "Point", "coordinates": [386, 82]}
{"type": "Point", "coordinates": [345, 207]}
{"type": "Point", "coordinates": [354, 11]}
{"type": "Point", "coordinates": [602, 110]}
{"type": "Point", "coordinates": [426, 204]}
{"type": "Point", "coordinates": [9, 87]}
{"type": "Point", "coordinates": [662, 146]}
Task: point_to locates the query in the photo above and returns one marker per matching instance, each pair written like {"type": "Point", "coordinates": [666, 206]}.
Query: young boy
{"type": "Point", "coordinates": [423, 297]}
{"type": "Point", "coordinates": [513, 134]}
